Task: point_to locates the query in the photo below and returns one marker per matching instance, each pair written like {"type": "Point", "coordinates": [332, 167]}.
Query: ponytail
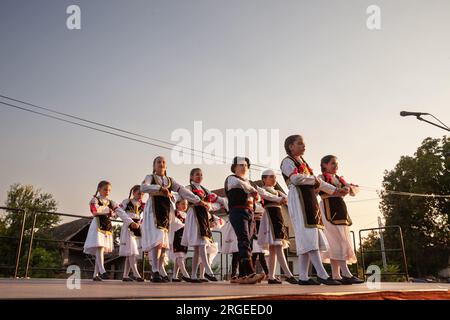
{"type": "Point", "coordinates": [133, 190]}
{"type": "Point", "coordinates": [100, 185]}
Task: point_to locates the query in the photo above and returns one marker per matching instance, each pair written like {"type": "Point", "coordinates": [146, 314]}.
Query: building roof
{"type": "Point", "coordinates": [67, 230]}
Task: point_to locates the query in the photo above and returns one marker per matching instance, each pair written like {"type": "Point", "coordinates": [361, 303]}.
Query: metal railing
{"type": "Point", "coordinates": [383, 251]}
{"type": "Point", "coordinates": [33, 240]}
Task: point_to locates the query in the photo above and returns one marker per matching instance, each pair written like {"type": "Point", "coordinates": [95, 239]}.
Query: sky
{"type": "Point", "coordinates": [152, 67]}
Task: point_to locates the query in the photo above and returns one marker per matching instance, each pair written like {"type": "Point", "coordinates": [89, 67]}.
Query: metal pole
{"type": "Point", "coordinates": [31, 245]}
{"type": "Point", "coordinates": [404, 253]}
{"type": "Point", "coordinates": [361, 250]}
{"type": "Point", "coordinates": [383, 252]}
{"type": "Point", "coordinates": [19, 247]}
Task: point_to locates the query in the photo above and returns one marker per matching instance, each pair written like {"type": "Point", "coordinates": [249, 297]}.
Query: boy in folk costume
{"type": "Point", "coordinates": [157, 215]}
{"type": "Point", "coordinates": [273, 233]}
{"type": "Point", "coordinates": [337, 221]}
{"type": "Point", "coordinates": [197, 233]}
{"type": "Point", "coordinates": [178, 251]}
{"type": "Point", "coordinates": [304, 210]}
{"type": "Point", "coordinates": [130, 238]}
{"type": "Point", "coordinates": [99, 239]}
{"type": "Point", "coordinates": [241, 202]}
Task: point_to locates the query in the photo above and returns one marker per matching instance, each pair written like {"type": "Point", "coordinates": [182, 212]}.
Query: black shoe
{"type": "Point", "coordinates": [97, 278]}
{"type": "Point", "coordinates": [329, 281]}
{"type": "Point", "coordinates": [309, 282]}
{"type": "Point", "coordinates": [187, 279]}
{"type": "Point", "coordinates": [203, 280]}
{"type": "Point", "coordinates": [137, 279]}
{"type": "Point", "coordinates": [156, 277]}
{"type": "Point", "coordinates": [351, 280]}
{"type": "Point", "coordinates": [196, 281]}
{"type": "Point", "coordinates": [127, 280]}
{"type": "Point", "coordinates": [176, 280]}
{"type": "Point", "coordinates": [166, 279]}
{"type": "Point", "coordinates": [274, 281]}
{"type": "Point", "coordinates": [211, 277]}
{"type": "Point", "coordinates": [291, 280]}
{"type": "Point", "coordinates": [104, 276]}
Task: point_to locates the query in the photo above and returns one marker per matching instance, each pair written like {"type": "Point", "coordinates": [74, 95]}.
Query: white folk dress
{"type": "Point", "coordinates": [191, 234]}
{"type": "Point", "coordinates": [97, 238]}
{"type": "Point", "coordinates": [152, 236]}
{"type": "Point", "coordinates": [306, 238]}
{"type": "Point", "coordinates": [130, 245]}
{"type": "Point", "coordinates": [339, 239]}
{"type": "Point", "coordinates": [229, 239]}
{"type": "Point", "coordinates": [266, 236]}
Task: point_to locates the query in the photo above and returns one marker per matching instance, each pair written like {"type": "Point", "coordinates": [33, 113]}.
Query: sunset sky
{"type": "Point", "coordinates": [151, 67]}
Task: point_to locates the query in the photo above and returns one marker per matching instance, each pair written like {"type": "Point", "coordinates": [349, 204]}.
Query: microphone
{"type": "Point", "coordinates": [416, 114]}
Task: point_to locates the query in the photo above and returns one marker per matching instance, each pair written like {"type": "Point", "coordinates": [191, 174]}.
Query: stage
{"type": "Point", "coordinates": [115, 289]}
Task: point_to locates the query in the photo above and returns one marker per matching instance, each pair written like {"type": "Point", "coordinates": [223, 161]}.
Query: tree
{"type": "Point", "coordinates": [424, 220]}
{"type": "Point", "coordinates": [32, 200]}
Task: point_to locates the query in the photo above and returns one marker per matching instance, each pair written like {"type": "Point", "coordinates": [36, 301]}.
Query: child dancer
{"type": "Point", "coordinates": [259, 253]}
{"type": "Point", "coordinates": [272, 231]}
{"type": "Point", "coordinates": [197, 232]}
{"type": "Point", "coordinates": [177, 249]}
{"type": "Point", "coordinates": [337, 222]}
{"type": "Point", "coordinates": [130, 234]}
{"type": "Point", "coordinates": [99, 239]}
{"type": "Point", "coordinates": [304, 210]}
{"type": "Point", "coordinates": [156, 221]}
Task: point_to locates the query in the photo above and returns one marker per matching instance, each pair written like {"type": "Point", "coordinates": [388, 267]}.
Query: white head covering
{"type": "Point", "coordinates": [268, 172]}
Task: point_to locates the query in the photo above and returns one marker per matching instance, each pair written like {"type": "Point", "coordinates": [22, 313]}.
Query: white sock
{"type": "Point", "coordinates": [282, 261]}
{"type": "Point", "coordinates": [126, 268]}
{"type": "Point", "coordinates": [303, 265]}
{"type": "Point", "coordinates": [335, 269]}
{"type": "Point", "coordinates": [201, 271]}
{"type": "Point", "coordinates": [344, 269]}
{"type": "Point", "coordinates": [182, 267]}
{"type": "Point", "coordinates": [272, 262]}
{"type": "Point", "coordinates": [133, 265]}
{"type": "Point", "coordinates": [204, 259]}
{"type": "Point", "coordinates": [194, 263]}
{"type": "Point", "coordinates": [317, 263]}
{"type": "Point", "coordinates": [99, 259]}
{"type": "Point", "coordinates": [161, 266]}
{"type": "Point", "coordinates": [95, 269]}
{"type": "Point", "coordinates": [154, 256]}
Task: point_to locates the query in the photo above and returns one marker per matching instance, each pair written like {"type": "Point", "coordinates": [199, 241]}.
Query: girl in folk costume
{"type": "Point", "coordinates": [273, 233]}
{"type": "Point", "coordinates": [229, 246]}
{"type": "Point", "coordinates": [304, 210]}
{"type": "Point", "coordinates": [197, 230]}
{"type": "Point", "coordinates": [241, 202]}
{"type": "Point", "coordinates": [99, 239]}
{"type": "Point", "coordinates": [337, 221]}
{"type": "Point", "coordinates": [259, 253]}
{"type": "Point", "coordinates": [177, 249]}
{"type": "Point", "coordinates": [130, 238]}
{"type": "Point", "coordinates": [157, 215]}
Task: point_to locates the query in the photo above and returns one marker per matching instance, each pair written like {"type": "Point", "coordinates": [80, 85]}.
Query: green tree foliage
{"type": "Point", "coordinates": [424, 220]}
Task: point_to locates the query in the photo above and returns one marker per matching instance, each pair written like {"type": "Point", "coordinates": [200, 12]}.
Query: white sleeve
{"type": "Point", "coordinates": [148, 187]}
{"type": "Point", "coordinates": [288, 169]}
{"type": "Point", "coordinates": [326, 187]}
{"type": "Point", "coordinates": [176, 224]}
{"type": "Point", "coordinates": [184, 192]}
{"type": "Point", "coordinates": [124, 216]}
{"type": "Point", "coordinates": [234, 182]}
{"type": "Point", "coordinates": [268, 196]}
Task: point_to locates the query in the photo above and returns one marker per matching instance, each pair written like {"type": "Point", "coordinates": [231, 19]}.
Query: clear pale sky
{"type": "Point", "coordinates": [309, 67]}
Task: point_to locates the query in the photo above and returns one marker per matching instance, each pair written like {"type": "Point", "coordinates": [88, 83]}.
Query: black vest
{"type": "Point", "coordinates": [237, 197]}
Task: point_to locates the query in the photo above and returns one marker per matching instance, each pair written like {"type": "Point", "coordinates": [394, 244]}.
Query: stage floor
{"type": "Point", "coordinates": [115, 289]}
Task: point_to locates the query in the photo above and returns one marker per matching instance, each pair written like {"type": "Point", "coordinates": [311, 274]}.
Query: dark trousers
{"type": "Point", "coordinates": [241, 220]}
{"type": "Point", "coordinates": [262, 261]}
